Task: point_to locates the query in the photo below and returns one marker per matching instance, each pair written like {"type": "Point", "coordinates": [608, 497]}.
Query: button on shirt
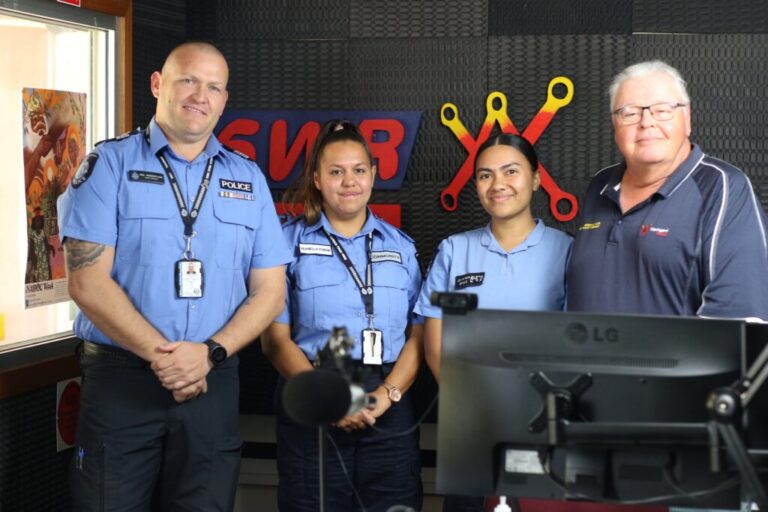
{"type": "Point", "coordinates": [695, 247]}
{"type": "Point", "coordinates": [126, 202]}
{"type": "Point", "coordinates": [529, 277]}
{"type": "Point", "coordinates": [322, 294]}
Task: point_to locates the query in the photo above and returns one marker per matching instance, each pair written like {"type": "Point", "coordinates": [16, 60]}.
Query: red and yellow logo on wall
{"type": "Point", "coordinates": [496, 113]}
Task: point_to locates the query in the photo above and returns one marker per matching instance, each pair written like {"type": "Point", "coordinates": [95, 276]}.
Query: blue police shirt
{"type": "Point", "coordinates": [695, 247]}
{"type": "Point", "coordinates": [322, 294]}
{"type": "Point", "coordinates": [529, 277]}
{"type": "Point", "coordinates": [121, 197]}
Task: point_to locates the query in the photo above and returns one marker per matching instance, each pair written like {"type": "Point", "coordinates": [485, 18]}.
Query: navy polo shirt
{"type": "Point", "coordinates": [695, 247]}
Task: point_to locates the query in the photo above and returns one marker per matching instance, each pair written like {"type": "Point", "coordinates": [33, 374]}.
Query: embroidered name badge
{"type": "Point", "coordinates": [146, 177]}
{"type": "Point", "coordinates": [319, 249]}
{"type": "Point", "coordinates": [589, 225]}
{"type": "Point", "coordinates": [241, 186]}
{"type": "Point", "coordinates": [468, 280]}
{"type": "Point", "coordinates": [377, 256]}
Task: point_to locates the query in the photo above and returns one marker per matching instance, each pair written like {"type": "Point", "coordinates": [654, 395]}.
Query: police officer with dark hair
{"type": "Point", "coordinates": [176, 260]}
{"type": "Point", "coordinates": [356, 271]}
{"type": "Point", "coordinates": [514, 262]}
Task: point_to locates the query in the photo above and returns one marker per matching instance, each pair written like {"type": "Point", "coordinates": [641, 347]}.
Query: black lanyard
{"type": "Point", "coordinates": [187, 216]}
{"type": "Point", "coordinates": [366, 289]}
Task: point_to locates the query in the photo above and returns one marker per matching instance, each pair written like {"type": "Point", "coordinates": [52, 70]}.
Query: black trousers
{"type": "Point", "coordinates": [137, 449]}
{"type": "Point", "coordinates": [385, 470]}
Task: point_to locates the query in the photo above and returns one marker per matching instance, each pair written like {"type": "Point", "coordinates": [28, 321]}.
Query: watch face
{"type": "Point", "coordinates": [394, 394]}
{"type": "Point", "coordinates": [218, 355]}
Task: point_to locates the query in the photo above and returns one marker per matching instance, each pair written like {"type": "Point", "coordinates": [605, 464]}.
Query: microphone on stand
{"type": "Point", "coordinates": [331, 391]}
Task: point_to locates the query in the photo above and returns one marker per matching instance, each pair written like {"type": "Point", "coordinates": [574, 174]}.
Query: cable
{"type": "Point", "coordinates": [390, 436]}
{"type": "Point", "coordinates": [411, 429]}
{"type": "Point", "coordinates": [346, 473]}
{"type": "Point", "coordinates": [726, 484]}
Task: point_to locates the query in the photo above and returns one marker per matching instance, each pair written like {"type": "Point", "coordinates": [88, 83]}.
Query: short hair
{"type": "Point", "coordinates": [647, 68]}
{"type": "Point", "coordinates": [513, 141]}
{"type": "Point", "coordinates": [303, 190]}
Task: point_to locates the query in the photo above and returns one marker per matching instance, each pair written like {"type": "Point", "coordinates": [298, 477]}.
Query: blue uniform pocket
{"type": "Point", "coordinates": [144, 210]}
{"type": "Point", "coordinates": [321, 294]}
{"type": "Point", "coordinates": [391, 281]}
{"type": "Point", "coordinates": [236, 228]}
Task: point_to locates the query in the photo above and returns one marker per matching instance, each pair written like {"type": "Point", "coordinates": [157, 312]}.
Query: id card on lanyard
{"type": "Point", "coordinates": [372, 339]}
{"type": "Point", "coordinates": [188, 271]}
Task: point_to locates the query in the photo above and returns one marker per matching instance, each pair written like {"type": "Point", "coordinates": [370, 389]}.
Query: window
{"type": "Point", "coordinates": [46, 47]}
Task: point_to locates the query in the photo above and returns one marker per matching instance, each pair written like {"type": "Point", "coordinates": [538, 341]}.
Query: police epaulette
{"type": "Point", "coordinates": [238, 153]}
{"type": "Point", "coordinates": [287, 219]}
{"type": "Point", "coordinates": [402, 233]}
{"type": "Point", "coordinates": [406, 236]}
{"type": "Point", "coordinates": [120, 137]}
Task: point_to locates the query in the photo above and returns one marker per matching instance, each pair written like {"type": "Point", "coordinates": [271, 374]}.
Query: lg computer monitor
{"type": "Point", "coordinates": [630, 371]}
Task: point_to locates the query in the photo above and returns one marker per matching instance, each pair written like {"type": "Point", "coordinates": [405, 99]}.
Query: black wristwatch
{"type": "Point", "coordinates": [216, 352]}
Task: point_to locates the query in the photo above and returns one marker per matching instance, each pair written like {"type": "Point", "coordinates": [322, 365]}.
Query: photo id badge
{"type": "Point", "coordinates": [373, 346]}
{"type": "Point", "coordinates": [189, 279]}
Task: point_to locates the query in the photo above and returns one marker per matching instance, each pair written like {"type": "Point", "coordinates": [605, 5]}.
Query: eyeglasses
{"type": "Point", "coordinates": [632, 114]}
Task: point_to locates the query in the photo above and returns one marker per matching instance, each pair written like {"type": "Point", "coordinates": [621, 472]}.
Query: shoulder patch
{"type": "Point", "coordinates": [85, 170]}
{"type": "Point", "coordinates": [120, 137]}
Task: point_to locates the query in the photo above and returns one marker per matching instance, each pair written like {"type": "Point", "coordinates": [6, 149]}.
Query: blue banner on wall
{"type": "Point", "coordinates": [280, 140]}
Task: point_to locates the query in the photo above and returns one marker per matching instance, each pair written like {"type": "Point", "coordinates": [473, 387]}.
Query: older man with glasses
{"type": "Point", "coordinates": [670, 230]}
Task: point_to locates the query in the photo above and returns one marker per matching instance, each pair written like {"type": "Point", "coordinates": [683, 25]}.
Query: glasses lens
{"type": "Point", "coordinates": [662, 112]}
{"type": "Point", "coordinates": [630, 115]}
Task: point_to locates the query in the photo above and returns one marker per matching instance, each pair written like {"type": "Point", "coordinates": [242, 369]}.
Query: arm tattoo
{"type": "Point", "coordinates": [81, 254]}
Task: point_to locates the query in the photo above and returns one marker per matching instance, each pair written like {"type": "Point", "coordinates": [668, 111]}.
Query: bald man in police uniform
{"type": "Point", "coordinates": [176, 260]}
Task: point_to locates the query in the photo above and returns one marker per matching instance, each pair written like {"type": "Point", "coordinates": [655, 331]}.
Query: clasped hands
{"type": "Point", "coordinates": [182, 368]}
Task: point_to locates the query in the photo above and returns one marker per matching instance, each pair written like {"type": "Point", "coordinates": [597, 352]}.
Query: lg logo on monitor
{"type": "Point", "coordinates": [581, 334]}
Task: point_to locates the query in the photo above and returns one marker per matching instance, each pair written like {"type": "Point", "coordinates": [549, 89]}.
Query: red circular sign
{"type": "Point", "coordinates": [66, 415]}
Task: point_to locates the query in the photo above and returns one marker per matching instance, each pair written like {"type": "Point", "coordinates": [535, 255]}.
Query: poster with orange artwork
{"type": "Point", "coordinates": [53, 145]}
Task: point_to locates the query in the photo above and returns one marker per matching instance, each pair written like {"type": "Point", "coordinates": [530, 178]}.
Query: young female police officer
{"type": "Point", "coordinates": [515, 262]}
{"type": "Point", "coordinates": [345, 257]}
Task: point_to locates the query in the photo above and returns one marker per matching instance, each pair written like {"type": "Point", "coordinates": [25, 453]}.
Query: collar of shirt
{"type": "Point", "coordinates": [371, 225]}
{"type": "Point", "coordinates": [158, 141]}
{"type": "Point", "coordinates": [612, 188]}
{"type": "Point", "coordinates": [489, 241]}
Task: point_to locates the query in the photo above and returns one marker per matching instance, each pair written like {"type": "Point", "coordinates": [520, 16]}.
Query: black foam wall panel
{"type": "Point", "coordinates": [158, 27]}
{"type": "Point", "coordinates": [33, 476]}
{"type": "Point", "coordinates": [288, 74]}
{"type": "Point", "coordinates": [523, 17]}
{"type": "Point", "coordinates": [244, 20]}
{"type": "Point", "coordinates": [700, 16]}
{"type": "Point", "coordinates": [372, 19]}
